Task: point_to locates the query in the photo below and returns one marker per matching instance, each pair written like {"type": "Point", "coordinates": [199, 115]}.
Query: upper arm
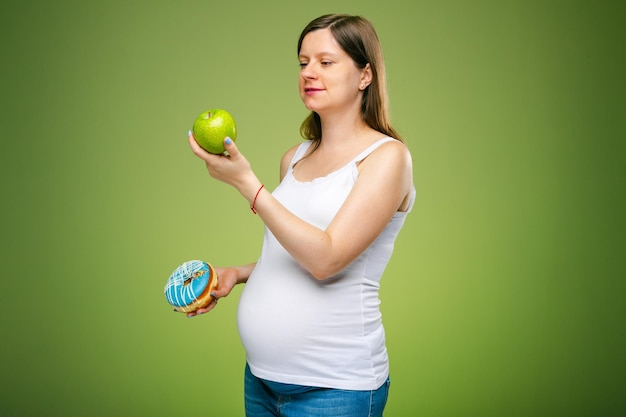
{"type": "Point", "coordinates": [385, 180]}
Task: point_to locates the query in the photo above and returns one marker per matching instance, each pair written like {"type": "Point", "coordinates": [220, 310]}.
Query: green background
{"type": "Point", "coordinates": [505, 295]}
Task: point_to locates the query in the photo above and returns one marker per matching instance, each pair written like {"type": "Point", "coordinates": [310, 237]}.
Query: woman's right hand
{"type": "Point", "coordinates": [231, 168]}
{"type": "Point", "coordinates": [227, 278]}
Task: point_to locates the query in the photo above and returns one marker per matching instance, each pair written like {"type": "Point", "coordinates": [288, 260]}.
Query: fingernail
{"type": "Point", "coordinates": [213, 294]}
{"type": "Point", "coordinates": [188, 133]}
{"type": "Point", "coordinates": [228, 140]}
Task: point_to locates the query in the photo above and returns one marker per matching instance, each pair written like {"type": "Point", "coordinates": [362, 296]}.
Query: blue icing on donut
{"type": "Point", "coordinates": [187, 282]}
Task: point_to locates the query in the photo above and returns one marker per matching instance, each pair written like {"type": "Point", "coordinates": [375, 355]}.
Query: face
{"type": "Point", "coordinates": [329, 78]}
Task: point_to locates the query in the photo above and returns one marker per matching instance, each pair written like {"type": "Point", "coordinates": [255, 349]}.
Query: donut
{"type": "Point", "coordinates": [190, 285]}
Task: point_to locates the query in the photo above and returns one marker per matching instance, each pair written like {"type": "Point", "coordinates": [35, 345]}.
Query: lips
{"type": "Point", "coordinates": [311, 90]}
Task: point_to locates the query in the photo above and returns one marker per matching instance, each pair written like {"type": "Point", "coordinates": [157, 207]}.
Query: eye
{"type": "Point", "coordinates": [326, 63]}
{"type": "Point", "coordinates": [303, 64]}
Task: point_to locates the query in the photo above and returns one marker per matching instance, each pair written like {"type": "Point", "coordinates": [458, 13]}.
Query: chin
{"type": "Point", "coordinates": [308, 106]}
{"type": "Point", "coordinates": [311, 105]}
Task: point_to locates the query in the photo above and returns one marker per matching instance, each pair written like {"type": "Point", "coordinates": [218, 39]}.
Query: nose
{"type": "Point", "coordinates": [308, 73]}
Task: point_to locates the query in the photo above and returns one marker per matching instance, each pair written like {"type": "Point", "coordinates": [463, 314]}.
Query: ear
{"type": "Point", "coordinates": [366, 77]}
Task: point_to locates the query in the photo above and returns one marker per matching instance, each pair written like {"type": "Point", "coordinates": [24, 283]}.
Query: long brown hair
{"type": "Point", "coordinates": [358, 38]}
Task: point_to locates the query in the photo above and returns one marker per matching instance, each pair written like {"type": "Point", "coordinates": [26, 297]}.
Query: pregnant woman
{"type": "Point", "coordinates": [309, 314]}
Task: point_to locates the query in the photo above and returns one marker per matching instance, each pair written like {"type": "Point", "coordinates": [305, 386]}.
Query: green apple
{"type": "Point", "coordinates": [212, 127]}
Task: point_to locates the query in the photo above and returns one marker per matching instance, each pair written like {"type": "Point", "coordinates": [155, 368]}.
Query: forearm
{"type": "Point", "coordinates": [244, 272]}
{"type": "Point", "coordinates": [306, 243]}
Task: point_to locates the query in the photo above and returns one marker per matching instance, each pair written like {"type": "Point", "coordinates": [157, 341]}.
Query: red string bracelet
{"type": "Point", "coordinates": [255, 197]}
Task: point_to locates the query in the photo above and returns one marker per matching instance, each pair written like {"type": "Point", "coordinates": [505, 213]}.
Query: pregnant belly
{"type": "Point", "coordinates": [303, 334]}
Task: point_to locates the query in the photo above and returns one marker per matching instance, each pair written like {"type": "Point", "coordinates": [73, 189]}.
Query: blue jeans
{"type": "Point", "coordinates": [265, 399]}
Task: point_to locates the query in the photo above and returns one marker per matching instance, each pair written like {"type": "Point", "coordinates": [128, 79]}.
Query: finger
{"type": "Point", "coordinates": [220, 292]}
{"type": "Point", "coordinates": [192, 142]}
{"type": "Point", "coordinates": [192, 139]}
{"type": "Point", "coordinates": [195, 147]}
{"type": "Point", "coordinates": [208, 308]}
{"type": "Point", "coordinates": [199, 311]}
{"type": "Point", "coordinates": [230, 147]}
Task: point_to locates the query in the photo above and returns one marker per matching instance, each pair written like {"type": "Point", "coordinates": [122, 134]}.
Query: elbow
{"type": "Point", "coordinates": [325, 270]}
{"type": "Point", "coordinates": [327, 262]}
{"type": "Point", "coordinates": [321, 275]}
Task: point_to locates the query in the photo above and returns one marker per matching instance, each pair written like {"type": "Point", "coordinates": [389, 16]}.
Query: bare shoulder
{"type": "Point", "coordinates": [389, 170]}
{"type": "Point", "coordinates": [390, 154]}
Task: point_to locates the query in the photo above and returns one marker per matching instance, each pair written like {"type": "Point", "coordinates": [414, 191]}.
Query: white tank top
{"type": "Point", "coordinates": [298, 330]}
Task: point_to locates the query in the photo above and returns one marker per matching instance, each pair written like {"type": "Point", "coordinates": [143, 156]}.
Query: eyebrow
{"type": "Point", "coordinates": [323, 53]}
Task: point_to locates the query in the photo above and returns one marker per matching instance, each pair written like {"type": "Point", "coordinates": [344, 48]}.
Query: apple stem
{"type": "Point", "coordinates": [208, 116]}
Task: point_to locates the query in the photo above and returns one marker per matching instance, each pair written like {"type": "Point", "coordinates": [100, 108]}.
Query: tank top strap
{"type": "Point", "coordinates": [300, 151]}
{"type": "Point", "coordinates": [304, 146]}
{"type": "Point", "coordinates": [371, 149]}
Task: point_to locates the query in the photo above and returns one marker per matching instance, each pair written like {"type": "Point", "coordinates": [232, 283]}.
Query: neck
{"type": "Point", "coordinates": [339, 130]}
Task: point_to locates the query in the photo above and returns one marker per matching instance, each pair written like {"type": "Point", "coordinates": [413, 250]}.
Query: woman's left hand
{"type": "Point", "coordinates": [227, 279]}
